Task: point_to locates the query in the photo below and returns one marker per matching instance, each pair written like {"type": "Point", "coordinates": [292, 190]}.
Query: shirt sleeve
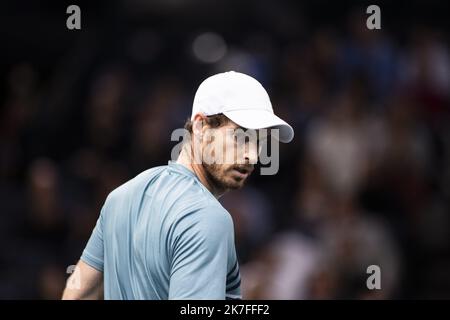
{"type": "Point", "coordinates": [233, 291]}
{"type": "Point", "coordinates": [93, 253]}
{"type": "Point", "coordinates": [200, 255]}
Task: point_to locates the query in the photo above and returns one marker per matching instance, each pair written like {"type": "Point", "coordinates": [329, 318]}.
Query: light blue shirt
{"type": "Point", "coordinates": [163, 235]}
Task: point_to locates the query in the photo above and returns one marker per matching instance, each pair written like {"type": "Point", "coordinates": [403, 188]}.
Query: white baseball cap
{"type": "Point", "coordinates": [242, 99]}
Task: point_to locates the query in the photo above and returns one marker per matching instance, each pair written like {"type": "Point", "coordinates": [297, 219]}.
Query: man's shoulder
{"type": "Point", "coordinates": [216, 216]}
{"type": "Point", "coordinates": [207, 216]}
{"type": "Point", "coordinates": [137, 182]}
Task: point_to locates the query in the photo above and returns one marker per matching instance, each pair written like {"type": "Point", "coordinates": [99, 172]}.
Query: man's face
{"type": "Point", "coordinates": [229, 155]}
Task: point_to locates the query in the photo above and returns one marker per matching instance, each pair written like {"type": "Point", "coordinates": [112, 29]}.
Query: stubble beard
{"type": "Point", "coordinates": [221, 178]}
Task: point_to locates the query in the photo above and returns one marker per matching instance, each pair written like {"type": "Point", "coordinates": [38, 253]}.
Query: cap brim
{"type": "Point", "coordinates": [261, 119]}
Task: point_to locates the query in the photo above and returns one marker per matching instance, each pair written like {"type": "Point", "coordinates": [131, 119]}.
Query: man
{"type": "Point", "coordinates": [164, 234]}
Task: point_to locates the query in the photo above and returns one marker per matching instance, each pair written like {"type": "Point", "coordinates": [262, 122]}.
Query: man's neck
{"type": "Point", "coordinates": [186, 159]}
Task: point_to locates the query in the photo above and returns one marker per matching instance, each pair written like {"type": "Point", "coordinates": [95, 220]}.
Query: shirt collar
{"type": "Point", "coordinates": [174, 166]}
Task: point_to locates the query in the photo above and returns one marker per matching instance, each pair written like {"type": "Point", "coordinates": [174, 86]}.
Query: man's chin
{"type": "Point", "coordinates": [235, 187]}
{"type": "Point", "coordinates": [235, 184]}
{"type": "Point", "coordinates": [227, 181]}
{"type": "Point", "coordinates": [229, 184]}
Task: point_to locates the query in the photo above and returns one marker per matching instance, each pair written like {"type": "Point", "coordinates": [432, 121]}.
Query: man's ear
{"type": "Point", "coordinates": [198, 124]}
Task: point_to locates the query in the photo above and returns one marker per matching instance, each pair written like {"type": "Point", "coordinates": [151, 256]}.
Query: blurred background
{"type": "Point", "coordinates": [365, 181]}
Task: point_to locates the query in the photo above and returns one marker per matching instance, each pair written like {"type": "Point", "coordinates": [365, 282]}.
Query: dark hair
{"type": "Point", "coordinates": [214, 121]}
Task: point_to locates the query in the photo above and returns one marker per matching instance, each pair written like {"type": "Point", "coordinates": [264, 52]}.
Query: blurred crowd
{"type": "Point", "coordinates": [365, 182]}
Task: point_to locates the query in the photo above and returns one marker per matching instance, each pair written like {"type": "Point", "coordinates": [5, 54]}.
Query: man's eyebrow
{"type": "Point", "coordinates": [239, 128]}
{"type": "Point", "coordinates": [266, 136]}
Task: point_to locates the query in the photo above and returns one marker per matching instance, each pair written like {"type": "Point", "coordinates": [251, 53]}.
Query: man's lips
{"type": "Point", "coordinates": [243, 172]}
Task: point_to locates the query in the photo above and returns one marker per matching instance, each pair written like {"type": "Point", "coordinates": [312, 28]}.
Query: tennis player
{"type": "Point", "coordinates": [164, 234]}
